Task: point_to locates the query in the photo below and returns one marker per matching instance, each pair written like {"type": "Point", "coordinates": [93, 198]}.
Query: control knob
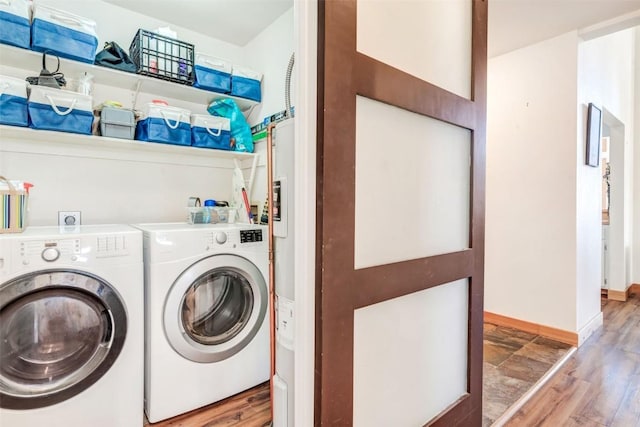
{"type": "Point", "coordinates": [50, 254]}
{"type": "Point", "coordinates": [221, 238]}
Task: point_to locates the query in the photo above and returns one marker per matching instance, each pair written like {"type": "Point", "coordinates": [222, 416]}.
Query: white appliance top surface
{"type": "Point", "coordinates": [57, 232]}
{"type": "Point", "coordinates": [183, 226]}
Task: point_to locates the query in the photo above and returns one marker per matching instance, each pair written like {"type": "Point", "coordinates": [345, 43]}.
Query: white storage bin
{"type": "Point", "coordinates": [63, 33]}
{"type": "Point", "coordinates": [15, 23]}
{"type": "Point", "coordinates": [13, 102]}
{"type": "Point", "coordinates": [165, 124]}
{"type": "Point", "coordinates": [211, 215]}
{"type": "Point", "coordinates": [209, 131]}
{"type": "Point", "coordinates": [212, 73]}
{"type": "Point", "coordinates": [245, 83]}
{"type": "Point", "coordinates": [61, 110]}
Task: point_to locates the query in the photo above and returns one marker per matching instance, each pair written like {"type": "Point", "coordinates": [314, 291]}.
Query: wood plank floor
{"type": "Point", "coordinates": [250, 408]}
{"type": "Point", "coordinates": [600, 384]}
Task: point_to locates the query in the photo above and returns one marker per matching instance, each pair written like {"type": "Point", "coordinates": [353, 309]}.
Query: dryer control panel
{"type": "Point", "coordinates": [250, 236]}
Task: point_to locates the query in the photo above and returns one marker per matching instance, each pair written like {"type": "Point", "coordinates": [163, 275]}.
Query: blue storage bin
{"type": "Point", "coordinates": [15, 26]}
{"type": "Point", "coordinates": [65, 34]}
{"type": "Point", "coordinates": [164, 124]}
{"type": "Point", "coordinates": [60, 110]}
{"type": "Point", "coordinates": [13, 102]}
{"type": "Point", "coordinates": [210, 132]}
{"type": "Point", "coordinates": [212, 73]}
{"type": "Point", "coordinates": [245, 83]}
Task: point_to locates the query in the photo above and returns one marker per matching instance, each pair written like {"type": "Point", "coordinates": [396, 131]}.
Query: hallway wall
{"type": "Point", "coordinates": [530, 226]}
{"type": "Point", "coordinates": [606, 78]}
{"type": "Point", "coordinates": [543, 204]}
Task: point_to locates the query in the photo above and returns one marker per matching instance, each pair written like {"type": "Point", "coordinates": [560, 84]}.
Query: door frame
{"type": "Point", "coordinates": [305, 99]}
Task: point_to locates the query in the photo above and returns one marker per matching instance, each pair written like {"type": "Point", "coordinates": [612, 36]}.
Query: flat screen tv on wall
{"type": "Point", "coordinates": [594, 132]}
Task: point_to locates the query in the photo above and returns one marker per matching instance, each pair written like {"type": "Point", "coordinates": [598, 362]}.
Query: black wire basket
{"type": "Point", "coordinates": [163, 57]}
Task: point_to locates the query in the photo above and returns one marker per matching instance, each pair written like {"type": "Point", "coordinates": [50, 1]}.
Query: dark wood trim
{"type": "Point", "coordinates": [411, 93]}
{"type": "Point", "coordinates": [469, 419]}
{"type": "Point", "coordinates": [372, 285]}
{"type": "Point", "coordinates": [478, 185]}
{"type": "Point", "coordinates": [338, 205]}
{"type": "Point", "coordinates": [317, 398]}
{"type": "Point", "coordinates": [451, 416]}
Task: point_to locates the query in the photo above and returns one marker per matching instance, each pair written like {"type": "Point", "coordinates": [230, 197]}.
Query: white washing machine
{"type": "Point", "coordinates": [207, 328]}
{"type": "Point", "coordinates": [71, 327]}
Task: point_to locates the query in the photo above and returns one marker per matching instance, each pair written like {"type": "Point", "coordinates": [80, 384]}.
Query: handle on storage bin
{"type": "Point", "coordinates": [7, 2]}
{"type": "Point", "coordinates": [210, 131]}
{"type": "Point", "coordinates": [55, 107]}
{"type": "Point", "coordinates": [6, 85]}
{"type": "Point", "coordinates": [218, 64]}
{"type": "Point", "coordinates": [166, 120]}
{"type": "Point", "coordinates": [66, 20]}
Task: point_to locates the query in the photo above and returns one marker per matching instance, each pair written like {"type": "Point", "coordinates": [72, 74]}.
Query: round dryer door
{"type": "Point", "coordinates": [215, 308]}
{"type": "Point", "coordinates": [60, 331]}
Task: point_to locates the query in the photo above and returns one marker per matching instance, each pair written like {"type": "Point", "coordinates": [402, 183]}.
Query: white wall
{"type": "Point", "coordinates": [605, 77]}
{"type": "Point", "coordinates": [543, 247]}
{"type": "Point", "coordinates": [120, 185]}
{"type": "Point", "coordinates": [140, 187]}
{"type": "Point", "coordinates": [530, 217]}
{"type": "Point", "coordinates": [269, 52]}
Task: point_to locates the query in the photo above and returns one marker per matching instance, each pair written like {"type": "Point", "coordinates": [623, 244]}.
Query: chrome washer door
{"type": "Point", "coordinates": [215, 308]}
{"type": "Point", "coordinates": [60, 331]}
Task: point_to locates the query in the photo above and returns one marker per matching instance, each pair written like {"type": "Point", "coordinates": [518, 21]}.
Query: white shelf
{"type": "Point", "coordinates": [42, 142]}
{"type": "Point", "coordinates": [26, 59]}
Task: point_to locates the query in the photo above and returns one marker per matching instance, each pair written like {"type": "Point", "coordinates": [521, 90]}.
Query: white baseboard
{"type": "Point", "coordinates": [587, 330]}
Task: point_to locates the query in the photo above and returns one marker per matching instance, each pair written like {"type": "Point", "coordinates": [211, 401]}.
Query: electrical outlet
{"type": "Point", "coordinates": [68, 218]}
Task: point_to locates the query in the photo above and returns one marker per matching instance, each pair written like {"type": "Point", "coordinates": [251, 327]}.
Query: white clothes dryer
{"type": "Point", "coordinates": [71, 327]}
{"type": "Point", "coordinates": [207, 329]}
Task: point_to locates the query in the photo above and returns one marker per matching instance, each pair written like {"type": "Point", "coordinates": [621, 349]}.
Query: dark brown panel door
{"type": "Point", "coordinates": [343, 74]}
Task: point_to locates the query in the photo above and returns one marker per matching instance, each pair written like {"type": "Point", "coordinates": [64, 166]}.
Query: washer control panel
{"type": "Point", "coordinates": [34, 252]}
{"type": "Point", "coordinates": [48, 251]}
